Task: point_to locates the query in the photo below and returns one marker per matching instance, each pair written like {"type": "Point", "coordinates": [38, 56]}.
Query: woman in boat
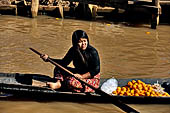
{"type": "Point", "coordinates": [86, 65]}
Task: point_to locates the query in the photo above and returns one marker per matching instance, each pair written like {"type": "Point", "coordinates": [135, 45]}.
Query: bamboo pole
{"type": "Point", "coordinates": [34, 8]}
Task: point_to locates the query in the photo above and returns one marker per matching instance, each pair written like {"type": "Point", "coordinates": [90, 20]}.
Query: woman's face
{"type": "Point", "coordinates": [83, 43]}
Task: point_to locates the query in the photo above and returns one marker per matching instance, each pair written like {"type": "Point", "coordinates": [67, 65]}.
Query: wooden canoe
{"type": "Point", "coordinates": [16, 86]}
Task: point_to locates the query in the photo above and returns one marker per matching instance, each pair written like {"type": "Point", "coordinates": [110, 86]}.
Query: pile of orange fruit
{"type": "Point", "coordinates": [138, 88]}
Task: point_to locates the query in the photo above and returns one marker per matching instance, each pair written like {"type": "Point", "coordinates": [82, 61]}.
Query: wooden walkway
{"type": "Point", "coordinates": [152, 6]}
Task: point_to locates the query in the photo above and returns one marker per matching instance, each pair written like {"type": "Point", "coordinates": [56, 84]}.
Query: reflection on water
{"type": "Point", "coordinates": [125, 51]}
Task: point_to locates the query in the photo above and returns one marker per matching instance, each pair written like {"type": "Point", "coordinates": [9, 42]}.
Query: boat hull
{"type": "Point", "coordinates": [15, 86]}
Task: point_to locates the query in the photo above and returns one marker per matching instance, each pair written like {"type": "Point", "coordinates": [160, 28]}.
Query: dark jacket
{"type": "Point", "coordinates": [84, 60]}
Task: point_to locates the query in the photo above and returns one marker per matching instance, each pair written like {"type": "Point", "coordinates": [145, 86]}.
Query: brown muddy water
{"type": "Point", "coordinates": [126, 51]}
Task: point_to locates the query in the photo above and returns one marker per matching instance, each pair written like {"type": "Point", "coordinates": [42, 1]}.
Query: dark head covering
{"type": "Point", "coordinates": [77, 35]}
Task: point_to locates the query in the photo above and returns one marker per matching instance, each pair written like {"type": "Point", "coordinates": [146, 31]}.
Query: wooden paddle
{"type": "Point", "coordinates": [116, 101]}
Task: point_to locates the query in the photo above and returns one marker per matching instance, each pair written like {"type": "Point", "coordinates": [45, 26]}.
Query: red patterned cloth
{"type": "Point", "coordinates": [74, 85]}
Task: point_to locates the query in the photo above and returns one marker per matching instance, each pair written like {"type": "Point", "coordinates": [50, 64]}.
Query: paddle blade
{"type": "Point", "coordinates": [35, 51]}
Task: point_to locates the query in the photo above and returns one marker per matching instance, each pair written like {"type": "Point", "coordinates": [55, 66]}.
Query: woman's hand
{"type": "Point", "coordinates": [83, 76]}
{"type": "Point", "coordinates": [78, 76]}
{"type": "Point", "coordinates": [44, 57]}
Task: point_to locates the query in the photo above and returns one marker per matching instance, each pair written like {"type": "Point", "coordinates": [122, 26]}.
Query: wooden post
{"type": "Point", "coordinates": [94, 12]}
{"type": "Point", "coordinates": [16, 11]}
{"type": "Point", "coordinates": [155, 15]}
{"type": "Point", "coordinates": [34, 8]}
{"type": "Point", "coordinates": [93, 9]}
{"type": "Point", "coordinates": [157, 4]}
{"type": "Point", "coordinates": [61, 10]}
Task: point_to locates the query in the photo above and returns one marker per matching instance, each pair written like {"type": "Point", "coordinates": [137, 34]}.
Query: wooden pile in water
{"type": "Point", "coordinates": [6, 6]}
{"type": "Point", "coordinates": [5, 2]}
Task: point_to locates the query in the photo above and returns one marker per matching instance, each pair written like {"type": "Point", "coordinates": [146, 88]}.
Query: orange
{"type": "Point", "coordinates": [152, 95]}
{"type": "Point", "coordinates": [143, 84]}
{"type": "Point", "coordinates": [136, 94]}
{"type": "Point", "coordinates": [114, 92]}
{"type": "Point", "coordinates": [127, 93]}
{"type": "Point", "coordinates": [150, 88]}
{"type": "Point", "coordinates": [132, 91]}
{"type": "Point", "coordinates": [142, 91]}
{"type": "Point", "coordinates": [122, 92]}
{"type": "Point", "coordinates": [145, 88]}
{"type": "Point", "coordinates": [118, 90]}
{"type": "Point", "coordinates": [160, 95]}
{"type": "Point", "coordinates": [129, 83]}
{"type": "Point", "coordinates": [153, 92]}
{"type": "Point", "coordinates": [137, 91]}
{"type": "Point", "coordinates": [131, 86]}
{"type": "Point", "coordinates": [140, 86]}
{"type": "Point", "coordinates": [131, 94]}
{"type": "Point", "coordinates": [123, 89]}
{"type": "Point", "coordinates": [127, 89]}
{"type": "Point", "coordinates": [157, 93]}
{"type": "Point", "coordinates": [166, 94]}
{"type": "Point", "coordinates": [139, 81]}
{"type": "Point", "coordinates": [148, 33]}
{"type": "Point", "coordinates": [148, 85]}
{"type": "Point", "coordinates": [142, 94]}
{"type": "Point", "coordinates": [133, 81]}
{"type": "Point", "coordinates": [147, 93]}
{"type": "Point", "coordinates": [134, 86]}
